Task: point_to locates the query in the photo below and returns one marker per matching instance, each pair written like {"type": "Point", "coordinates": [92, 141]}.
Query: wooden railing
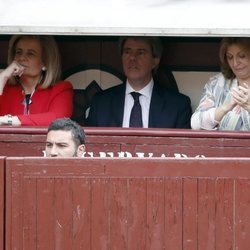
{"type": "Point", "coordinates": [134, 204]}
{"type": "Point", "coordinates": [2, 201]}
{"type": "Point", "coordinates": [30, 141]}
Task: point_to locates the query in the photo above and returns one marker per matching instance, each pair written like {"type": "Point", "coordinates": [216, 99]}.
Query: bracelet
{"type": "Point", "coordinates": [9, 120]}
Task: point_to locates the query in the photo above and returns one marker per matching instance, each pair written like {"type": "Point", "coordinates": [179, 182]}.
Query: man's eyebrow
{"type": "Point", "coordinates": [61, 143]}
{"type": "Point", "coordinates": [143, 50]}
{"type": "Point", "coordinates": [138, 49]}
{"type": "Point", "coordinates": [52, 142]}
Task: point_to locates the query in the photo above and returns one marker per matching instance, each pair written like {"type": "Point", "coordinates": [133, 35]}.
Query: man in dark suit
{"type": "Point", "coordinates": [159, 107]}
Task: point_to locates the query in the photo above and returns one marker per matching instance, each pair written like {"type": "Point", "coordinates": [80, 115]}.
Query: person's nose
{"type": "Point", "coordinates": [21, 57]}
{"type": "Point", "coordinates": [54, 151]}
{"type": "Point", "coordinates": [132, 55]}
{"type": "Point", "coordinates": [235, 61]}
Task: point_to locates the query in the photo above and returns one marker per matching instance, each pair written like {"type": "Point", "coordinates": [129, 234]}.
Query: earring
{"type": "Point", "coordinates": [44, 68]}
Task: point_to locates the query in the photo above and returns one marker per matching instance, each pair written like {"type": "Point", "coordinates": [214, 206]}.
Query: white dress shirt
{"type": "Point", "coordinates": [144, 99]}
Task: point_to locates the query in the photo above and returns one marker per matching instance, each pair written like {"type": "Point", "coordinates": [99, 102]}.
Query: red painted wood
{"type": "Point", "coordinates": [225, 213]}
{"type": "Point", "coordinates": [25, 141]}
{"type": "Point", "coordinates": [173, 213]}
{"type": "Point", "coordinates": [63, 213]}
{"type": "Point", "coordinates": [119, 211]}
{"type": "Point", "coordinates": [2, 207]}
{"type": "Point", "coordinates": [100, 216]}
{"type": "Point", "coordinates": [81, 209]}
{"type": "Point", "coordinates": [29, 209]}
{"type": "Point", "coordinates": [242, 214]}
{"type": "Point", "coordinates": [155, 213]}
{"type": "Point", "coordinates": [127, 203]}
{"type": "Point", "coordinates": [45, 214]}
{"type": "Point", "coordinates": [206, 214]}
{"type": "Point", "coordinates": [189, 216]}
{"type": "Point", "coordinates": [14, 210]}
{"type": "Point", "coordinates": [137, 213]}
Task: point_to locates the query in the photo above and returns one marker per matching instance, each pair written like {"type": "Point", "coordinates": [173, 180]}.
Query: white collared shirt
{"type": "Point", "coordinates": [144, 98]}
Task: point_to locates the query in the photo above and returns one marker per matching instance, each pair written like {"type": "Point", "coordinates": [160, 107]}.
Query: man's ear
{"type": "Point", "coordinates": [156, 62]}
{"type": "Point", "coordinates": [80, 150]}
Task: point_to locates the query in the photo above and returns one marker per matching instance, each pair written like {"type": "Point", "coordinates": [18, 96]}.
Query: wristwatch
{"type": "Point", "coordinates": [9, 119]}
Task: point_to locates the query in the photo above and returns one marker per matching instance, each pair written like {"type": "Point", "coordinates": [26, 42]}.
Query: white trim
{"type": "Point", "coordinates": [126, 17]}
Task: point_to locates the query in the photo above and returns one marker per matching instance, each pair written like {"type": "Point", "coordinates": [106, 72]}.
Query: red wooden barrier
{"type": "Point", "coordinates": [2, 182]}
{"type": "Point", "coordinates": [128, 204]}
{"type": "Point", "coordinates": [30, 141]}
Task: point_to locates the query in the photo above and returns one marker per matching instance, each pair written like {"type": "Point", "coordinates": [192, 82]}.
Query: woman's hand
{"type": "Point", "coordinates": [14, 69]}
{"type": "Point", "coordinates": [9, 120]}
{"type": "Point", "coordinates": [4, 120]}
{"type": "Point", "coordinates": [241, 96]}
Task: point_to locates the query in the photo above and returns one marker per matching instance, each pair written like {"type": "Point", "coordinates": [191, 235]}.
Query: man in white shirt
{"type": "Point", "coordinates": [159, 107]}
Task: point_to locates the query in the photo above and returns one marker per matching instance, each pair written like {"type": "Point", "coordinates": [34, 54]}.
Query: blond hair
{"type": "Point", "coordinates": [50, 57]}
{"type": "Point", "coordinates": [243, 42]}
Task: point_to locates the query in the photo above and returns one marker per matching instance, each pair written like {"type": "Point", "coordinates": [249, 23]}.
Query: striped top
{"type": "Point", "coordinates": [216, 92]}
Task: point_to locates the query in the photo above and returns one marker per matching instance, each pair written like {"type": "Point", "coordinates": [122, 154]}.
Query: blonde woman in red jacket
{"type": "Point", "coordinates": [30, 91]}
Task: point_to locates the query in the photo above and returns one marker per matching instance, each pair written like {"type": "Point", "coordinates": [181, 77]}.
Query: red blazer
{"type": "Point", "coordinates": [46, 104]}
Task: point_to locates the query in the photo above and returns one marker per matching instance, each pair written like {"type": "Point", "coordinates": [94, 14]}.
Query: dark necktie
{"type": "Point", "coordinates": [136, 113]}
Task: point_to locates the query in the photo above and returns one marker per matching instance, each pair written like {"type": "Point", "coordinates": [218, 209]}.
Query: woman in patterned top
{"type": "Point", "coordinates": [225, 103]}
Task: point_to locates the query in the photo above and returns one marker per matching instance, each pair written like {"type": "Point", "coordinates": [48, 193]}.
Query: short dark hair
{"type": "Point", "coordinates": [243, 42]}
{"type": "Point", "coordinates": [66, 124]}
{"type": "Point", "coordinates": [154, 43]}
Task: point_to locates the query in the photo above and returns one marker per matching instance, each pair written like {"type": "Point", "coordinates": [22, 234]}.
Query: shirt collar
{"type": "Point", "coordinates": [146, 91]}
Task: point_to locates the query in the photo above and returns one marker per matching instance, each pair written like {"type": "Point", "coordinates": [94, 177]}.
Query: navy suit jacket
{"type": "Point", "coordinates": [168, 109]}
